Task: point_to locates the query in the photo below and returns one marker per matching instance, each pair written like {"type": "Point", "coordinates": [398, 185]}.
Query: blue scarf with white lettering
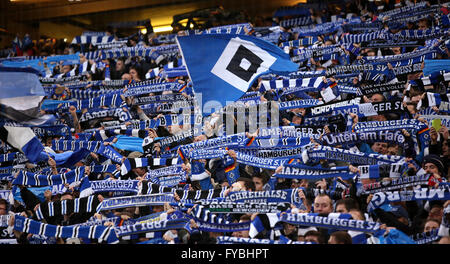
{"type": "Point", "coordinates": [135, 201]}
{"type": "Point", "coordinates": [90, 187]}
{"type": "Point", "coordinates": [331, 221]}
{"type": "Point", "coordinates": [317, 153]}
{"type": "Point", "coordinates": [145, 87]}
{"type": "Point", "coordinates": [243, 240]}
{"type": "Point", "coordinates": [118, 113]}
{"type": "Point", "coordinates": [152, 226]}
{"type": "Point", "coordinates": [381, 198]}
{"type": "Point", "coordinates": [299, 171]}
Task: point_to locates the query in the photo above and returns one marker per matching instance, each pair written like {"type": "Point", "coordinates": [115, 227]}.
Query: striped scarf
{"type": "Point", "coordinates": [83, 39]}
{"type": "Point", "coordinates": [113, 100]}
{"type": "Point", "coordinates": [185, 195]}
{"type": "Point", "coordinates": [317, 153]}
{"type": "Point", "coordinates": [298, 171]}
{"type": "Point", "coordinates": [298, 21]}
{"type": "Point", "coordinates": [331, 221]}
{"type": "Point", "coordinates": [348, 138]}
{"type": "Point", "coordinates": [152, 226]}
{"type": "Point", "coordinates": [147, 52]}
{"type": "Point", "coordinates": [381, 198]}
{"type": "Point", "coordinates": [102, 233]}
{"type": "Point", "coordinates": [242, 207]}
{"type": "Point", "coordinates": [243, 240]}
{"type": "Point", "coordinates": [395, 184]}
{"type": "Point", "coordinates": [31, 179]}
{"type": "Point", "coordinates": [131, 163]}
{"type": "Point", "coordinates": [64, 145]}
{"type": "Point", "coordinates": [118, 113]}
{"type": "Point", "coordinates": [227, 29]}
{"type": "Point", "coordinates": [88, 204]}
{"type": "Point", "coordinates": [134, 201]}
{"type": "Point", "coordinates": [144, 88]}
{"type": "Point", "coordinates": [308, 41]}
{"type": "Point", "coordinates": [316, 82]}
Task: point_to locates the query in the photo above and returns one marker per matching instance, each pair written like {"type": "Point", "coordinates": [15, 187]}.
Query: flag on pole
{"type": "Point", "coordinates": [222, 67]}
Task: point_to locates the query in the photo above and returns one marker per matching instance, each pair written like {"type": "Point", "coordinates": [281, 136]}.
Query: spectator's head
{"type": "Point", "coordinates": [66, 68]}
{"type": "Point", "coordinates": [3, 207]}
{"type": "Point", "coordinates": [431, 224]}
{"type": "Point", "coordinates": [401, 214]}
{"type": "Point", "coordinates": [424, 24]}
{"type": "Point", "coordinates": [380, 147]}
{"type": "Point", "coordinates": [315, 237]}
{"type": "Point", "coordinates": [259, 181]}
{"type": "Point", "coordinates": [120, 65]}
{"type": "Point", "coordinates": [393, 149]}
{"type": "Point", "coordinates": [345, 205]}
{"type": "Point", "coordinates": [357, 214]}
{"type": "Point", "coordinates": [433, 164]}
{"type": "Point", "coordinates": [436, 211]}
{"type": "Point", "coordinates": [377, 98]}
{"type": "Point", "coordinates": [66, 196]}
{"type": "Point", "coordinates": [135, 73]}
{"type": "Point", "coordinates": [323, 204]}
{"type": "Point", "coordinates": [340, 237]}
{"type": "Point", "coordinates": [396, 50]}
{"type": "Point", "coordinates": [243, 184]}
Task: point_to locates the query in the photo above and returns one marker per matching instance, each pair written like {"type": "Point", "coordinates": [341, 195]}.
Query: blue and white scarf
{"type": "Point", "coordinates": [316, 82]}
{"type": "Point", "coordinates": [371, 126]}
{"type": "Point", "coordinates": [227, 29]}
{"type": "Point", "coordinates": [152, 226]}
{"type": "Point", "coordinates": [135, 201]}
{"type": "Point", "coordinates": [148, 52]}
{"type": "Point", "coordinates": [243, 240]}
{"type": "Point", "coordinates": [90, 187]}
{"type": "Point", "coordinates": [243, 207]}
{"type": "Point", "coordinates": [102, 233]}
{"type": "Point", "coordinates": [144, 88]}
{"type": "Point", "coordinates": [381, 198]}
{"type": "Point", "coordinates": [346, 138]}
{"type": "Point", "coordinates": [31, 179]}
{"type": "Point", "coordinates": [113, 100]}
{"type": "Point", "coordinates": [298, 171]}
{"type": "Point", "coordinates": [317, 153]}
{"type": "Point", "coordinates": [119, 113]}
{"type": "Point", "coordinates": [159, 98]}
{"type": "Point", "coordinates": [131, 163]}
{"type": "Point", "coordinates": [331, 221]}
{"type": "Point", "coordinates": [168, 120]}
{"type": "Point", "coordinates": [426, 237]}
{"type": "Point", "coordinates": [381, 88]}
{"type": "Point", "coordinates": [89, 204]}
{"type": "Point", "coordinates": [394, 184]}
{"type": "Point", "coordinates": [299, 104]}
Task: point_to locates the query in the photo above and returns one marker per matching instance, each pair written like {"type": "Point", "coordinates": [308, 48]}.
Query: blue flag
{"type": "Point", "coordinates": [223, 66]}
